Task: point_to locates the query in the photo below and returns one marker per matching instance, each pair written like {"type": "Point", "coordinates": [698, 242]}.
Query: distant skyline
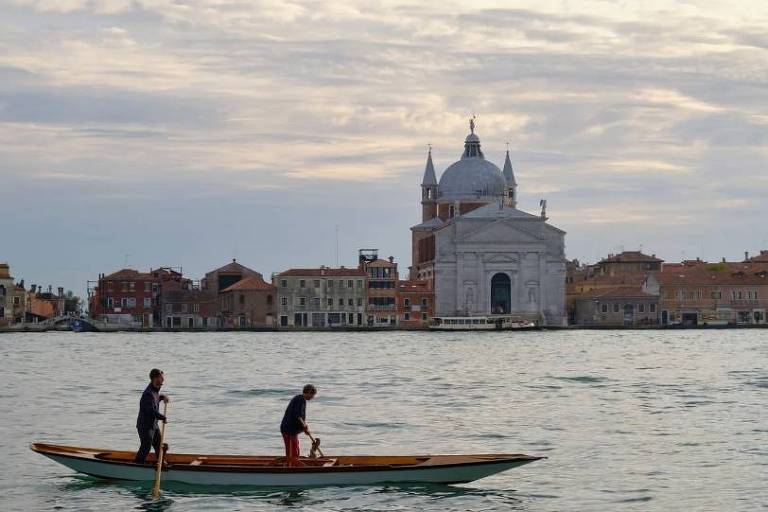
{"type": "Point", "coordinates": [191, 132]}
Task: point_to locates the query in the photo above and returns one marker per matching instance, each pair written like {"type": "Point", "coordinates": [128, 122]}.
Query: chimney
{"type": "Point", "coordinates": [61, 291]}
{"type": "Point", "coordinates": [723, 259]}
{"type": "Point", "coordinates": [746, 255]}
{"type": "Point", "coordinates": [33, 288]}
{"type": "Point", "coordinates": [391, 259]}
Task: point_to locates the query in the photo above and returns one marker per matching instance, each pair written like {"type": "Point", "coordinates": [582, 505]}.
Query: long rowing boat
{"type": "Point", "coordinates": [268, 471]}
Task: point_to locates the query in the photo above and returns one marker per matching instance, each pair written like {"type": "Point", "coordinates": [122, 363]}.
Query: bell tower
{"type": "Point", "coordinates": [429, 191]}
{"type": "Point", "coordinates": [510, 197]}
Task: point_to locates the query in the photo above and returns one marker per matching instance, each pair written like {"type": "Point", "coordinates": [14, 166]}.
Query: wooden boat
{"type": "Point", "coordinates": [268, 471]}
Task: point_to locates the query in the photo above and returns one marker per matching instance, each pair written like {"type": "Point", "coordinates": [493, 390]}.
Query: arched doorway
{"type": "Point", "coordinates": [501, 294]}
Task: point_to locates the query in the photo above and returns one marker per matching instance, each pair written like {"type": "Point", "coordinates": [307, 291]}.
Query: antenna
{"type": "Point", "coordinates": [336, 229]}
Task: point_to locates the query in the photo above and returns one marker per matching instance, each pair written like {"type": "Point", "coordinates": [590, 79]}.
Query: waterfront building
{"type": "Point", "coordinates": [321, 297]}
{"type": "Point", "coordinates": [381, 304]}
{"type": "Point", "coordinates": [248, 303]}
{"type": "Point", "coordinates": [181, 304]}
{"type": "Point", "coordinates": [485, 256]}
{"type": "Point", "coordinates": [724, 293]}
{"type": "Point", "coordinates": [12, 297]}
{"type": "Point", "coordinates": [43, 305]}
{"type": "Point", "coordinates": [130, 296]}
{"type": "Point", "coordinates": [415, 303]}
{"type": "Point", "coordinates": [760, 258]}
{"type": "Point", "coordinates": [619, 306]}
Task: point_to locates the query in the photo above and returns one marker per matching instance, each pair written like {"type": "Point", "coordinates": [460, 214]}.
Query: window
{"type": "Point", "coordinates": [733, 294]}
{"type": "Point", "coordinates": [341, 302]}
{"type": "Point", "coordinates": [641, 308]}
{"type": "Point", "coordinates": [424, 317]}
{"type": "Point", "coordinates": [424, 302]}
{"type": "Point", "coordinates": [283, 301]}
{"type": "Point", "coordinates": [16, 301]}
{"type": "Point", "coordinates": [302, 283]}
{"type": "Point", "coordinates": [407, 317]}
{"type": "Point", "coordinates": [716, 295]}
{"type": "Point", "coordinates": [359, 283]}
{"type": "Point", "coordinates": [653, 308]}
{"type": "Point", "coordinates": [615, 308]}
{"type": "Point", "coordinates": [283, 283]}
{"type": "Point", "coordinates": [147, 286]}
{"type": "Point", "coordinates": [451, 211]}
{"type": "Point", "coordinates": [330, 283]}
{"type": "Point", "coordinates": [110, 302]}
{"type": "Point", "coordinates": [604, 308]}
{"type": "Point", "coordinates": [109, 285]}
{"type": "Point", "coordinates": [241, 299]}
{"type": "Point", "coordinates": [195, 308]}
{"type": "Point", "coordinates": [407, 303]}
{"type": "Point", "coordinates": [350, 302]}
{"type": "Point", "coordinates": [350, 284]}
{"type": "Point", "coordinates": [132, 286]}
{"type": "Point", "coordinates": [330, 301]}
{"type": "Point", "coordinates": [302, 301]}
{"type": "Point", "coordinates": [316, 301]}
{"type": "Point", "coordinates": [316, 283]}
{"type": "Point", "coordinates": [184, 308]}
{"type": "Point", "coordinates": [359, 301]}
{"type": "Point", "coordinates": [147, 302]}
{"type": "Point", "coordinates": [341, 283]}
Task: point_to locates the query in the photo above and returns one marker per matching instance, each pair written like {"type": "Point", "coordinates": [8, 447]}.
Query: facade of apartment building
{"type": "Point", "coordinates": [321, 297]}
{"type": "Point", "coordinates": [415, 304]}
{"type": "Point", "coordinates": [381, 305]}
{"type": "Point", "coordinates": [249, 303]}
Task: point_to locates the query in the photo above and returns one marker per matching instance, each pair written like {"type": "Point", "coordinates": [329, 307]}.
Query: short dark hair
{"type": "Point", "coordinates": [155, 373]}
{"type": "Point", "coordinates": [309, 388]}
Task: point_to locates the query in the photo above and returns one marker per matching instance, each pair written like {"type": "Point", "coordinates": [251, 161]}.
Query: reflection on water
{"type": "Point", "coordinates": [628, 420]}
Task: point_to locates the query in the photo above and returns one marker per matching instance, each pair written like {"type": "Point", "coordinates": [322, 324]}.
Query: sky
{"type": "Point", "coordinates": [186, 133]}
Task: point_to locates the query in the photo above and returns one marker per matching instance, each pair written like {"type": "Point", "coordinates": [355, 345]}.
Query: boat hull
{"type": "Point", "coordinates": [279, 476]}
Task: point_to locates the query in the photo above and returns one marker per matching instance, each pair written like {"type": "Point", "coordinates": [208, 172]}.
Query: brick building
{"type": "Point", "coordinates": [701, 293]}
{"type": "Point", "coordinates": [321, 297]}
{"type": "Point", "coordinates": [249, 302]}
{"type": "Point", "coordinates": [415, 303]}
{"type": "Point", "coordinates": [381, 304]}
{"type": "Point", "coordinates": [619, 306]}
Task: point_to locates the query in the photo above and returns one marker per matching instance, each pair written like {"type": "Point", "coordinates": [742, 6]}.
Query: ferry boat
{"type": "Point", "coordinates": [480, 323]}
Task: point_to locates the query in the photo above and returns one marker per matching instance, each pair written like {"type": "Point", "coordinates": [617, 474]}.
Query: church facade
{"type": "Point", "coordinates": [484, 256]}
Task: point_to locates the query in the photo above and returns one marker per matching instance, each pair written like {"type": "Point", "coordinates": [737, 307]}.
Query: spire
{"type": "Point", "coordinates": [429, 172]}
{"type": "Point", "coordinates": [509, 174]}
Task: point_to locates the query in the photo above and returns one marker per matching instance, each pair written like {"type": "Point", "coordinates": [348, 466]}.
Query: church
{"type": "Point", "coordinates": [484, 256]}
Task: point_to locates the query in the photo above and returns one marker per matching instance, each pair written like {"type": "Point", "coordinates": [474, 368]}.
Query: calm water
{"type": "Point", "coordinates": [629, 420]}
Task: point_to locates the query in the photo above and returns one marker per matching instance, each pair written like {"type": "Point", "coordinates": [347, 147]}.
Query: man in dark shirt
{"type": "Point", "coordinates": [294, 422]}
{"type": "Point", "coordinates": [149, 413]}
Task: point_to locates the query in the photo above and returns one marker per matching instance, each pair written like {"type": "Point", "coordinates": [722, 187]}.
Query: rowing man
{"type": "Point", "coordinates": [149, 413]}
{"type": "Point", "coordinates": [295, 422]}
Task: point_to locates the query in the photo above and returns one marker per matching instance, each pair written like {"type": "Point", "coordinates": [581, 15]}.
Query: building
{"type": "Point", "coordinates": [130, 296]}
{"type": "Point", "coordinates": [321, 297]}
{"type": "Point", "coordinates": [484, 256]}
{"type": "Point", "coordinates": [12, 297]}
{"type": "Point", "coordinates": [760, 258]}
{"type": "Point", "coordinates": [224, 277]}
{"type": "Point", "coordinates": [183, 305]}
{"type": "Point", "coordinates": [415, 304]}
{"type": "Point", "coordinates": [249, 303]}
{"type": "Point", "coordinates": [701, 293]}
{"type": "Point", "coordinates": [628, 262]}
{"type": "Point", "coordinates": [44, 305]}
{"type": "Point", "coordinates": [619, 306]}
{"type": "Point", "coordinates": [381, 306]}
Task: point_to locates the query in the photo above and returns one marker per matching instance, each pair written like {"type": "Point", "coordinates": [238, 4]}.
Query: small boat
{"type": "Point", "coordinates": [269, 471]}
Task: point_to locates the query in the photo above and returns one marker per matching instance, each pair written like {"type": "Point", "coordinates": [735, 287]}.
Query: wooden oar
{"type": "Point", "coordinates": [159, 470]}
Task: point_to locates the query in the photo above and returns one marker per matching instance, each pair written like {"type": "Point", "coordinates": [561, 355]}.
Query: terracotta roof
{"type": "Point", "coordinates": [760, 258]}
{"type": "Point", "coordinates": [234, 266]}
{"type": "Point", "coordinates": [618, 292]}
{"type": "Point", "coordinates": [323, 272]}
{"type": "Point", "coordinates": [380, 263]}
{"type": "Point", "coordinates": [249, 283]}
{"type": "Point", "coordinates": [715, 274]}
{"type": "Point", "coordinates": [622, 279]}
{"type": "Point", "coordinates": [129, 273]}
{"type": "Point", "coordinates": [630, 257]}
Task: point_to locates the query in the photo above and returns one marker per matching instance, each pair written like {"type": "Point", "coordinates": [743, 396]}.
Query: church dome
{"type": "Point", "coordinates": [472, 178]}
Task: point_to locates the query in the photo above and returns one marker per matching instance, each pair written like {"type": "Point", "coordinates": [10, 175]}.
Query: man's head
{"type": "Point", "coordinates": [156, 377]}
{"type": "Point", "coordinates": [309, 392]}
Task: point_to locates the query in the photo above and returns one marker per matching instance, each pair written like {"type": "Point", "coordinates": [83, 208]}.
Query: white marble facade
{"type": "Point", "coordinates": [500, 260]}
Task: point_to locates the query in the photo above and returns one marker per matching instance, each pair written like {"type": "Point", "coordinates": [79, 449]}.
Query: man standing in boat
{"type": "Point", "coordinates": [295, 422]}
{"type": "Point", "coordinates": [149, 413]}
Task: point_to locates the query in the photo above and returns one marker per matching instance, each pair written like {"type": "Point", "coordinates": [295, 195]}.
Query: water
{"type": "Point", "coordinates": [628, 420]}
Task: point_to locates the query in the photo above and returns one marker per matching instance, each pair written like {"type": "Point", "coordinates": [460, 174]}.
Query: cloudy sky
{"type": "Point", "coordinates": [189, 132]}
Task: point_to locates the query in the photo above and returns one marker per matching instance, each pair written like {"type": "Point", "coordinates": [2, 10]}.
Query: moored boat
{"type": "Point", "coordinates": [269, 471]}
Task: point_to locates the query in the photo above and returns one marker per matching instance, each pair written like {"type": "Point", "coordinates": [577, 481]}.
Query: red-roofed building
{"type": "Point", "coordinates": [619, 306]}
{"type": "Point", "coordinates": [714, 293]}
{"type": "Point", "coordinates": [415, 303]}
{"type": "Point", "coordinates": [249, 302]}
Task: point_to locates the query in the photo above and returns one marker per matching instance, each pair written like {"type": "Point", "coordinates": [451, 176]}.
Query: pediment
{"type": "Point", "coordinates": [500, 231]}
{"type": "Point", "coordinates": [501, 258]}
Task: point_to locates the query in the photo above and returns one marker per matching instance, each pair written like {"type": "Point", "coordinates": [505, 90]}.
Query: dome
{"type": "Point", "coordinates": [472, 178]}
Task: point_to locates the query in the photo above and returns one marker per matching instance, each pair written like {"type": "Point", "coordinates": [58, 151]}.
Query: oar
{"type": "Point", "coordinates": [159, 470]}
{"type": "Point", "coordinates": [311, 438]}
